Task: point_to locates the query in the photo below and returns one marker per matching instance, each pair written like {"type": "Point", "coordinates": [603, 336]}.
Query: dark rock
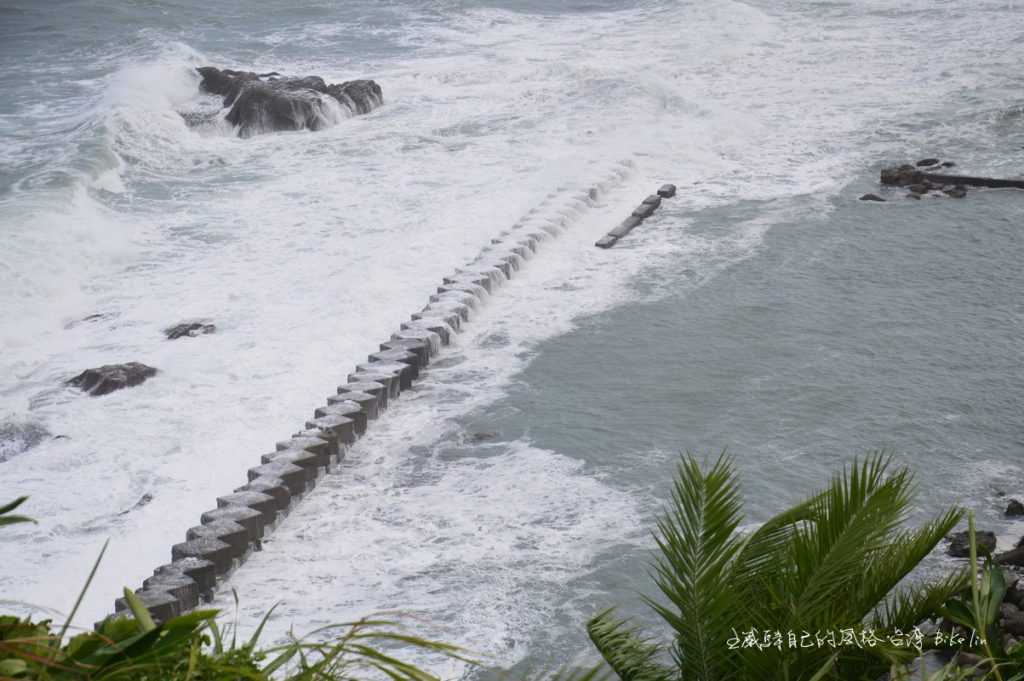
{"type": "Point", "coordinates": [957, 192]}
{"type": "Point", "coordinates": [111, 377]}
{"type": "Point", "coordinates": [1011, 557]}
{"type": "Point", "coordinates": [959, 545]}
{"type": "Point", "coordinates": [1014, 508]}
{"type": "Point", "coordinates": [925, 162]}
{"type": "Point", "coordinates": [921, 188]}
{"type": "Point", "coordinates": [481, 437]}
{"type": "Point", "coordinates": [1012, 623]}
{"type": "Point", "coordinates": [872, 197]}
{"type": "Point", "coordinates": [1015, 595]}
{"type": "Point", "coordinates": [266, 102]}
{"type": "Point", "coordinates": [667, 191]}
{"type": "Point", "coordinates": [948, 164]}
{"type": "Point", "coordinates": [912, 195]}
{"type": "Point", "coordinates": [189, 329]}
{"type": "Point", "coordinates": [901, 176]}
{"type": "Point", "coordinates": [17, 438]}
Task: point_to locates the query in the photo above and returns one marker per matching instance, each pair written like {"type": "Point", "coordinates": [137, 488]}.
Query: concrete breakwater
{"type": "Point", "coordinates": [242, 518]}
{"type": "Point", "coordinates": [640, 213]}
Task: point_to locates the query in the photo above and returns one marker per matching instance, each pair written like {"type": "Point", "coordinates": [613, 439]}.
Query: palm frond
{"type": "Point", "coordinates": [697, 540]}
{"type": "Point", "coordinates": [631, 657]}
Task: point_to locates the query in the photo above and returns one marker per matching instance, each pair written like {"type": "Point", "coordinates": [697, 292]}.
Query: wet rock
{"type": "Point", "coordinates": [921, 188]}
{"type": "Point", "coordinates": [19, 437]}
{"type": "Point", "coordinates": [268, 102]}
{"type": "Point", "coordinates": [111, 377]}
{"type": "Point", "coordinates": [143, 500]}
{"type": "Point", "coordinates": [959, 545]}
{"type": "Point", "coordinates": [957, 192]}
{"type": "Point", "coordinates": [901, 176]}
{"type": "Point", "coordinates": [925, 162]}
{"type": "Point", "coordinates": [667, 191]}
{"type": "Point", "coordinates": [1014, 508]}
{"type": "Point", "coordinates": [1015, 595]}
{"type": "Point", "coordinates": [482, 436]}
{"type": "Point", "coordinates": [189, 329]}
{"type": "Point", "coordinates": [1011, 622]}
{"type": "Point", "coordinates": [1011, 557]}
{"type": "Point", "coordinates": [948, 164]}
{"type": "Point", "coordinates": [912, 195]}
{"type": "Point", "coordinates": [872, 197]}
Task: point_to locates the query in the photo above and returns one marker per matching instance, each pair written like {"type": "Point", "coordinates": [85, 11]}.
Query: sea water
{"type": "Point", "coordinates": [763, 311]}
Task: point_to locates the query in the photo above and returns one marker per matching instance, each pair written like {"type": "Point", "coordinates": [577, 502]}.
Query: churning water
{"type": "Point", "coordinates": [763, 310]}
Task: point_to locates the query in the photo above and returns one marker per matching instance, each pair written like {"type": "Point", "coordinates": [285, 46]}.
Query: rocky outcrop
{"type": "Point", "coordinates": [265, 102]}
{"type": "Point", "coordinates": [921, 182]}
{"type": "Point", "coordinates": [189, 329]}
{"type": "Point", "coordinates": [111, 377]}
{"type": "Point", "coordinates": [960, 546]}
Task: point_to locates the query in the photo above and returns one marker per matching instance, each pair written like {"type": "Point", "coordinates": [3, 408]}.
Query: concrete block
{"type": "Point", "coordinates": [161, 605]}
{"type": "Point", "coordinates": [337, 425]}
{"type": "Point", "coordinates": [607, 241]}
{"type": "Point", "coordinates": [449, 316]}
{"type": "Point", "coordinates": [403, 371]}
{"type": "Point", "coordinates": [375, 388]}
{"type": "Point", "coordinates": [252, 520]}
{"type": "Point", "coordinates": [391, 381]}
{"type": "Point", "coordinates": [264, 503]}
{"type": "Point", "coordinates": [667, 191]}
{"type": "Point", "coordinates": [293, 477]}
{"type": "Point", "coordinates": [626, 226]}
{"type": "Point", "coordinates": [443, 333]}
{"type": "Point", "coordinates": [460, 297]}
{"type": "Point", "coordinates": [491, 259]}
{"type": "Point", "coordinates": [177, 584]}
{"type": "Point", "coordinates": [228, 531]}
{"type": "Point", "coordinates": [213, 550]}
{"type": "Point", "coordinates": [318, 442]}
{"type": "Point", "coordinates": [478, 291]}
{"type": "Point", "coordinates": [421, 349]}
{"type": "Point", "coordinates": [313, 464]}
{"type": "Point", "coordinates": [470, 278]}
{"type": "Point", "coordinates": [653, 200]}
{"type": "Point", "coordinates": [399, 355]}
{"type": "Point", "coordinates": [644, 210]}
{"type": "Point", "coordinates": [346, 409]}
{"type": "Point", "coordinates": [366, 401]}
{"type": "Point", "coordinates": [203, 572]}
{"type": "Point", "coordinates": [273, 487]}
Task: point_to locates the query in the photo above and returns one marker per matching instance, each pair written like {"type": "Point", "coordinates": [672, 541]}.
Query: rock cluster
{"type": "Point", "coordinates": [111, 377]}
{"type": "Point", "coordinates": [189, 329]}
{"type": "Point", "coordinates": [264, 102]}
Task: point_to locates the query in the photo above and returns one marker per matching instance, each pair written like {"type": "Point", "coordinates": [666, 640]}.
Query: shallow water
{"type": "Point", "coordinates": [763, 310]}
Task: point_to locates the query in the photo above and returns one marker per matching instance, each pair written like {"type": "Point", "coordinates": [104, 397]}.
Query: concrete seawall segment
{"type": "Point", "coordinates": [635, 219]}
{"type": "Point", "coordinates": [227, 534]}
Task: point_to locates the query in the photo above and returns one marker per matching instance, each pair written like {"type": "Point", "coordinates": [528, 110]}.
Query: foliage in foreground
{"type": "Point", "coordinates": [829, 564]}
{"type": "Point", "coordinates": [192, 647]}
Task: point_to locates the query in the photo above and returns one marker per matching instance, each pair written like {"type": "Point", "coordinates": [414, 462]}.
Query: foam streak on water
{"type": "Point", "coordinates": [307, 249]}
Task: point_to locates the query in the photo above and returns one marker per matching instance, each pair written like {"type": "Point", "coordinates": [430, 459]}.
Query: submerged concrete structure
{"type": "Point", "coordinates": [236, 526]}
{"type": "Point", "coordinates": [640, 213]}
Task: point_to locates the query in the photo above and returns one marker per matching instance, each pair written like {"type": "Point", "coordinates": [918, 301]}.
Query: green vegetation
{"type": "Point", "coordinates": [828, 570]}
{"type": "Point", "coordinates": [834, 563]}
